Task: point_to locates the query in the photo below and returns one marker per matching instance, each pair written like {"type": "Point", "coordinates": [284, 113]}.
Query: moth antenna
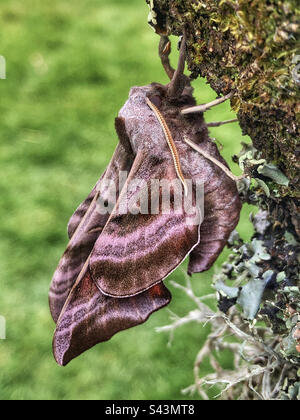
{"type": "Point", "coordinates": [171, 144]}
{"type": "Point", "coordinates": [206, 107]}
{"type": "Point", "coordinates": [220, 123]}
{"type": "Point", "coordinates": [215, 161]}
{"type": "Point", "coordinates": [178, 81]}
{"type": "Point", "coordinates": [164, 51]}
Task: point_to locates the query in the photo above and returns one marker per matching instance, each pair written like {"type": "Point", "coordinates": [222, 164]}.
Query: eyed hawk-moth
{"type": "Point", "coordinates": [110, 277]}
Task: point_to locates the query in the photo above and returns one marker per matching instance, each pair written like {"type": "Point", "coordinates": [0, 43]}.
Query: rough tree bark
{"type": "Point", "coordinates": [252, 49]}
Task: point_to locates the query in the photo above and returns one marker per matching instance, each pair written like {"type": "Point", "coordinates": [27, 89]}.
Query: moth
{"type": "Point", "coordinates": [110, 277]}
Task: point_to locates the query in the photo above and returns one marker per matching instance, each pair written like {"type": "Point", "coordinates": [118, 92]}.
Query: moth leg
{"type": "Point", "coordinates": [164, 52]}
{"type": "Point", "coordinates": [208, 106]}
{"type": "Point", "coordinates": [179, 80]}
{"type": "Point", "coordinates": [123, 136]}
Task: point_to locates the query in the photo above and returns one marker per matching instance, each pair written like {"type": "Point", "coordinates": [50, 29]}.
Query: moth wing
{"type": "Point", "coordinates": [222, 207]}
{"type": "Point", "coordinates": [121, 161]}
{"type": "Point", "coordinates": [79, 214]}
{"type": "Point", "coordinates": [84, 228]}
{"type": "Point", "coordinates": [89, 317]}
{"type": "Point", "coordinates": [136, 251]}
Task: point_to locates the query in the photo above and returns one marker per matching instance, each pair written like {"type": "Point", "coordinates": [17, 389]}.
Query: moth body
{"type": "Point", "coordinates": [110, 277]}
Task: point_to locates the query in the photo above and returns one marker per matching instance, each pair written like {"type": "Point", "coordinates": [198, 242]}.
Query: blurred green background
{"type": "Point", "coordinates": [70, 65]}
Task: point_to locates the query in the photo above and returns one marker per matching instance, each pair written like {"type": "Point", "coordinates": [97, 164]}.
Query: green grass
{"type": "Point", "coordinates": [70, 66]}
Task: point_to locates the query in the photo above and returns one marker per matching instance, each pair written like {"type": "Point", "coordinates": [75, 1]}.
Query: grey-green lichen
{"type": "Point", "coordinates": [263, 278]}
{"type": "Point", "coordinates": [251, 47]}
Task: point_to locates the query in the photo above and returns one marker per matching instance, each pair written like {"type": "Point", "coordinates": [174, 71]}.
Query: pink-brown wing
{"type": "Point", "coordinates": [136, 251]}
{"type": "Point", "coordinates": [89, 317]}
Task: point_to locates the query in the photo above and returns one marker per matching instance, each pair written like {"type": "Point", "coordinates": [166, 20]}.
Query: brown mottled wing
{"type": "Point", "coordinates": [81, 211]}
{"type": "Point", "coordinates": [89, 317]}
{"type": "Point", "coordinates": [222, 207]}
{"type": "Point", "coordinates": [117, 162]}
{"type": "Point", "coordinates": [84, 228]}
{"type": "Point", "coordinates": [135, 252]}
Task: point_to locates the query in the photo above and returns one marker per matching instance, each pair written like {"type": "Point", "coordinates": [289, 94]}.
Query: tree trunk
{"type": "Point", "coordinates": [251, 48]}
